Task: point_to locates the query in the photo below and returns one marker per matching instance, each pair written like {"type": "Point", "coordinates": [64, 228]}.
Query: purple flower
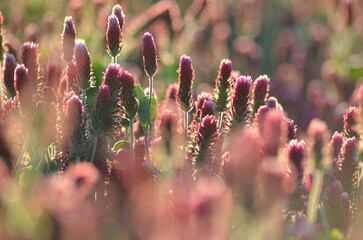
{"type": "Point", "coordinates": [117, 11]}
{"type": "Point", "coordinates": [350, 122]}
{"type": "Point", "coordinates": [113, 36]}
{"type": "Point", "coordinates": [31, 62]}
{"type": "Point", "coordinates": [149, 54]}
{"type": "Point", "coordinates": [186, 77]}
{"type": "Point", "coordinates": [102, 115]}
{"type": "Point", "coordinates": [223, 86]}
{"type": "Point", "coordinates": [261, 88]}
{"type": "Point", "coordinates": [8, 75]}
{"type": "Point", "coordinates": [296, 154]}
{"type": "Point", "coordinates": [129, 103]}
{"type": "Point", "coordinates": [83, 64]}
{"type": "Point", "coordinates": [240, 109]}
{"type": "Point", "coordinates": [349, 163]}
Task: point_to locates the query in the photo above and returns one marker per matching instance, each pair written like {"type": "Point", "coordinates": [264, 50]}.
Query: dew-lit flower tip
{"type": "Point", "coordinates": [68, 39]}
{"type": "Point", "coordinates": [296, 154]}
{"type": "Point", "coordinates": [225, 70]}
{"type": "Point", "coordinates": [208, 127]}
{"type": "Point", "coordinates": [207, 108]}
{"type": "Point", "coordinates": [113, 36]}
{"type": "Point", "coordinates": [8, 75]}
{"type": "Point", "coordinates": [117, 11]}
{"type": "Point", "coordinates": [83, 64]}
{"type": "Point", "coordinates": [261, 88]}
{"type": "Point", "coordinates": [186, 76]}
{"type": "Point", "coordinates": [204, 96]}
{"type": "Point", "coordinates": [336, 143]}
{"type": "Point", "coordinates": [350, 122]}
{"type": "Point", "coordinates": [272, 102]}
{"type": "Point", "coordinates": [149, 54]}
{"type": "Point", "coordinates": [291, 129]}
{"type": "Point", "coordinates": [30, 59]}
{"type": "Point", "coordinates": [111, 78]}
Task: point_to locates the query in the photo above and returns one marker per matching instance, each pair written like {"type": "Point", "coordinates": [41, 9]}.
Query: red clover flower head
{"type": "Point", "coordinates": [31, 61]}
{"type": "Point", "coordinates": [112, 79]}
{"type": "Point", "coordinates": [240, 99]}
{"type": "Point", "coordinates": [102, 116]}
{"type": "Point", "coordinates": [350, 122]}
{"type": "Point", "coordinates": [149, 54]}
{"type": "Point", "coordinates": [83, 64]}
{"type": "Point", "coordinates": [186, 77]}
{"type": "Point", "coordinates": [68, 39]}
{"type": "Point", "coordinates": [129, 102]}
{"type": "Point", "coordinates": [336, 144]}
{"type": "Point", "coordinates": [223, 86]}
{"type": "Point", "coordinates": [296, 153]}
{"type": "Point", "coordinates": [113, 36]}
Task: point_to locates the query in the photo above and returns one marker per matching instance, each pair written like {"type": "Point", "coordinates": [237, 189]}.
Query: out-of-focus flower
{"type": "Point", "coordinates": [351, 122]}
{"type": "Point", "coordinates": [349, 164]}
{"type": "Point", "coordinates": [296, 153]}
{"type": "Point", "coordinates": [68, 39]}
{"type": "Point", "coordinates": [274, 132]}
{"type": "Point", "coordinates": [318, 134]}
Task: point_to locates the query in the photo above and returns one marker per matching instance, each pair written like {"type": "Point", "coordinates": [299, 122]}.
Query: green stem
{"type": "Point", "coordinates": [357, 194]}
{"type": "Point", "coordinates": [94, 147]}
{"type": "Point", "coordinates": [220, 120]}
{"type": "Point", "coordinates": [132, 140]}
{"type": "Point", "coordinates": [127, 133]}
{"type": "Point", "coordinates": [314, 197]}
{"type": "Point", "coordinates": [132, 150]}
{"type": "Point", "coordinates": [78, 159]}
{"type": "Point", "coordinates": [114, 60]}
{"type": "Point", "coordinates": [185, 130]}
{"type": "Point", "coordinates": [21, 156]}
{"type": "Point", "coordinates": [148, 130]}
{"type": "Point", "coordinates": [40, 164]}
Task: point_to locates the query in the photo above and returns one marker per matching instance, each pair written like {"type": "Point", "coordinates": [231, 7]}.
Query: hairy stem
{"type": "Point", "coordinates": [94, 147]}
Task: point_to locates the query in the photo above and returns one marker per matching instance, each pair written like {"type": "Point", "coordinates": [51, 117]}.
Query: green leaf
{"type": "Point", "coordinates": [335, 234]}
{"type": "Point", "coordinates": [27, 176]}
{"type": "Point", "coordinates": [144, 112]}
{"type": "Point", "coordinates": [139, 92]}
{"type": "Point", "coordinates": [120, 145]}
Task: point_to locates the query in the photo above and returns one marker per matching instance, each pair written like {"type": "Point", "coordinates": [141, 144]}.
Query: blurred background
{"type": "Point", "coordinates": [310, 49]}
